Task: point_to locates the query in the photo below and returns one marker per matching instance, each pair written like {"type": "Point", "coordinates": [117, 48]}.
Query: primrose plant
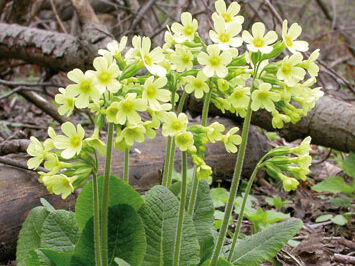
{"type": "Point", "coordinates": [135, 93]}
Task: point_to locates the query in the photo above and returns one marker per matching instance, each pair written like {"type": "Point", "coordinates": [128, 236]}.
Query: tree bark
{"type": "Point", "coordinates": [331, 123]}
{"type": "Point", "coordinates": [57, 51]}
{"type": "Point", "coordinates": [20, 190]}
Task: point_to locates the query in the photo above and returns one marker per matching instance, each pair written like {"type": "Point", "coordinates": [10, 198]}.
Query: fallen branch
{"type": "Point", "coordinates": [43, 104]}
{"type": "Point", "coordinates": [13, 146]}
{"type": "Point", "coordinates": [344, 259]}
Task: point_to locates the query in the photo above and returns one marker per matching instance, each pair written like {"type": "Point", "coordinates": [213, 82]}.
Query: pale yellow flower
{"type": "Point", "coordinates": [214, 62]}
{"type": "Point", "coordinates": [258, 40]}
{"type": "Point", "coordinates": [225, 35]}
{"type": "Point", "coordinates": [290, 35]}
{"type": "Point", "coordinates": [186, 30]}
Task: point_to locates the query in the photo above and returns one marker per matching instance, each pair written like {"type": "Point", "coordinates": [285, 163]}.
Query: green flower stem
{"type": "Point", "coordinates": [234, 187]}
{"type": "Point", "coordinates": [236, 177]}
{"type": "Point", "coordinates": [96, 220]}
{"type": "Point", "coordinates": [126, 165]}
{"type": "Point", "coordinates": [178, 237]}
{"type": "Point", "coordinates": [193, 195]}
{"type": "Point", "coordinates": [173, 145]}
{"type": "Point", "coordinates": [241, 214]}
{"type": "Point", "coordinates": [105, 197]}
{"type": "Point", "coordinates": [167, 161]}
{"type": "Point", "coordinates": [195, 181]}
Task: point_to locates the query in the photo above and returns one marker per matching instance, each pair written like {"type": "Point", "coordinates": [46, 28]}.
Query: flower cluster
{"type": "Point", "coordinates": [125, 85]}
{"type": "Point", "coordinates": [67, 159]}
{"type": "Point", "coordinates": [290, 169]}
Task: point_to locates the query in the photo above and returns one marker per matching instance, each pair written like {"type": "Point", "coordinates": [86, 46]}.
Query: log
{"type": "Point", "coordinates": [331, 123]}
{"type": "Point", "coordinates": [20, 190]}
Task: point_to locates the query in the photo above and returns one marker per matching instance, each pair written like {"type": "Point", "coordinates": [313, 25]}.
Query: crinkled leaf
{"type": "Point", "coordinates": [30, 234]}
{"type": "Point", "coordinates": [36, 258]}
{"type": "Point", "coordinates": [58, 258]}
{"type": "Point", "coordinates": [120, 193]}
{"type": "Point", "coordinates": [266, 244]}
{"type": "Point", "coordinates": [126, 238]}
{"type": "Point", "coordinates": [59, 231]}
{"type": "Point", "coordinates": [160, 214]}
{"type": "Point", "coordinates": [203, 219]}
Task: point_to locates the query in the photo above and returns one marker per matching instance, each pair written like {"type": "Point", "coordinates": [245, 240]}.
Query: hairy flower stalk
{"type": "Point", "coordinates": [97, 237]}
{"type": "Point", "coordinates": [178, 238]}
{"type": "Point", "coordinates": [235, 181]}
{"type": "Point", "coordinates": [105, 197]}
{"type": "Point", "coordinates": [126, 166]}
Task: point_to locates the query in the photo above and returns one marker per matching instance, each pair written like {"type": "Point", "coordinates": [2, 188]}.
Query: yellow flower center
{"type": "Point", "coordinates": [288, 41]}
{"type": "Point", "coordinates": [215, 60]}
{"type": "Point", "coordinates": [224, 37]}
{"type": "Point", "coordinates": [263, 95]}
{"type": "Point", "coordinates": [182, 139]}
{"type": "Point", "coordinates": [75, 142]}
{"type": "Point", "coordinates": [286, 69]}
{"type": "Point", "coordinates": [70, 102]}
{"type": "Point", "coordinates": [151, 91]}
{"type": "Point", "coordinates": [104, 77]}
{"type": "Point", "coordinates": [198, 83]}
{"type": "Point", "coordinates": [258, 42]}
{"type": "Point", "coordinates": [176, 125]}
{"type": "Point", "coordinates": [127, 106]}
{"type": "Point", "coordinates": [148, 60]}
{"type": "Point", "coordinates": [85, 86]}
{"type": "Point", "coordinates": [185, 59]}
{"type": "Point", "coordinates": [188, 30]}
{"type": "Point", "coordinates": [227, 17]}
{"type": "Point", "coordinates": [238, 94]}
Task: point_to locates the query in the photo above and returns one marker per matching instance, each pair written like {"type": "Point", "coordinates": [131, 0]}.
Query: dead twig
{"type": "Point", "coordinates": [30, 84]}
{"type": "Point", "coordinates": [141, 14]}
{"type": "Point", "coordinates": [57, 16]}
{"type": "Point", "coordinates": [6, 95]}
{"type": "Point", "coordinates": [14, 146]}
{"type": "Point", "coordinates": [43, 104]}
{"type": "Point", "coordinates": [346, 259]}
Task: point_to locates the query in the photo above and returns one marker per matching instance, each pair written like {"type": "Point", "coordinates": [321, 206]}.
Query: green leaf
{"type": "Point", "coordinates": [220, 262]}
{"type": "Point", "coordinates": [36, 258]}
{"type": "Point", "coordinates": [47, 205]}
{"type": "Point", "coordinates": [339, 220]}
{"type": "Point", "coordinates": [335, 184]}
{"type": "Point", "coordinates": [349, 165]}
{"type": "Point", "coordinates": [121, 262]}
{"type": "Point", "coordinates": [323, 218]}
{"type": "Point", "coordinates": [30, 234]}
{"type": "Point", "coordinates": [58, 258]}
{"type": "Point", "coordinates": [341, 201]}
{"type": "Point", "coordinates": [126, 238]}
{"type": "Point", "coordinates": [59, 231]}
{"type": "Point", "coordinates": [274, 217]}
{"type": "Point", "coordinates": [120, 193]}
{"type": "Point", "coordinates": [266, 244]}
{"type": "Point", "coordinates": [160, 214]}
{"type": "Point", "coordinates": [203, 219]}
{"type": "Point", "coordinates": [219, 196]}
